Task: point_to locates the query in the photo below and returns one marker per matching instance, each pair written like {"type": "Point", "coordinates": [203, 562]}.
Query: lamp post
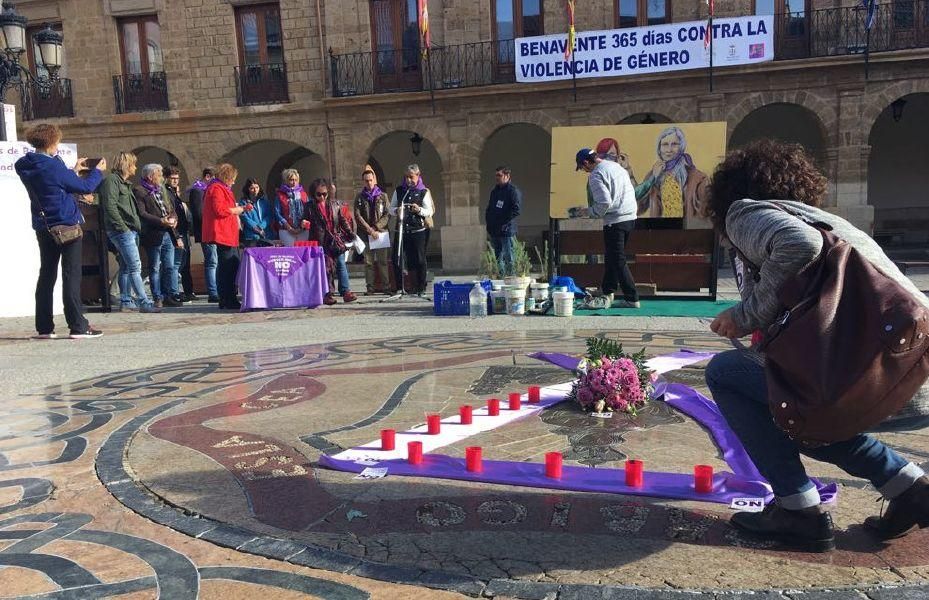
{"type": "Point", "coordinates": [12, 45]}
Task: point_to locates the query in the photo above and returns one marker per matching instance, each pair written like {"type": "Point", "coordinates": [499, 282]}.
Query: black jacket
{"type": "Point", "coordinates": [502, 210]}
{"type": "Point", "coordinates": [184, 216]}
{"type": "Point", "coordinates": [195, 203]}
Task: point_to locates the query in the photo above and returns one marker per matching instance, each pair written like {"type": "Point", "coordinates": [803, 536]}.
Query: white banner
{"type": "Point", "coordinates": [654, 49]}
{"type": "Point", "coordinates": [20, 268]}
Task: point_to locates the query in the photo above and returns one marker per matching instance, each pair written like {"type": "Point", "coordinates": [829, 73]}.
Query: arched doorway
{"type": "Point", "coordinates": [265, 159]}
{"type": "Point", "coordinates": [154, 155]}
{"type": "Point", "coordinates": [527, 150]}
{"type": "Point", "coordinates": [786, 122]}
{"type": "Point", "coordinates": [898, 180]}
{"type": "Point", "coordinates": [391, 154]}
{"type": "Point", "coordinates": [644, 119]}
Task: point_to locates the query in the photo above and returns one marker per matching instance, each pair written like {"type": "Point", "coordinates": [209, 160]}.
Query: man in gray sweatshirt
{"type": "Point", "coordinates": [613, 200]}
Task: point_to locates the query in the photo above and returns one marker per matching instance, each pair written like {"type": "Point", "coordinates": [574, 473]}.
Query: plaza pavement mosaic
{"type": "Point", "coordinates": [200, 478]}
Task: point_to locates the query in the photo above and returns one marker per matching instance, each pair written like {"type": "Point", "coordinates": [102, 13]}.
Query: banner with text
{"type": "Point", "coordinates": [654, 49]}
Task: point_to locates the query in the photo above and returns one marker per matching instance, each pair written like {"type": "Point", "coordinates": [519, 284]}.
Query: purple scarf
{"type": "Point", "coordinates": [371, 195]}
{"type": "Point", "coordinates": [419, 186]}
{"type": "Point", "coordinates": [294, 203]}
{"type": "Point", "coordinates": [155, 190]}
{"type": "Point", "coordinates": [198, 185]}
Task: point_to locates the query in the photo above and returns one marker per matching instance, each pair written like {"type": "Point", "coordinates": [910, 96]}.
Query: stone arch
{"type": "Point", "coordinates": [783, 121]}
{"type": "Point", "coordinates": [481, 130]}
{"type": "Point", "coordinates": [263, 159]}
{"type": "Point", "coordinates": [678, 111]}
{"type": "Point", "coordinates": [876, 103]}
{"type": "Point", "coordinates": [526, 148]}
{"type": "Point", "coordinates": [156, 154]}
{"type": "Point", "coordinates": [392, 153]}
{"type": "Point", "coordinates": [898, 189]}
{"type": "Point", "coordinates": [826, 114]}
{"type": "Point", "coordinates": [436, 133]}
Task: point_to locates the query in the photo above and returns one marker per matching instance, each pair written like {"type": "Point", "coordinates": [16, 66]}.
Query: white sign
{"type": "Point", "coordinates": [10, 152]}
{"type": "Point", "coordinates": [9, 122]}
{"type": "Point", "coordinates": [747, 504]}
{"type": "Point", "coordinates": [638, 50]}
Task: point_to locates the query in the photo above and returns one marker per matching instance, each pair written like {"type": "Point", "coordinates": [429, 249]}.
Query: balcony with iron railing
{"type": "Point", "coordinates": [44, 98]}
{"type": "Point", "coordinates": [898, 25]}
{"type": "Point", "coordinates": [140, 92]}
{"type": "Point", "coordinates": [261, 84]}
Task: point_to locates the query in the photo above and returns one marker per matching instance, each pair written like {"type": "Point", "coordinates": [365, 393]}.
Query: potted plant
{"type": "Point", "coordinates": [522, 266]}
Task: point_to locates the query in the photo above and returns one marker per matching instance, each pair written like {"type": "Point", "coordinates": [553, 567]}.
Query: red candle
{"type": "Point", "coordinates": [634, 476]}
{"type": "Point", "coordinates": [473, 459]}
{"type": "Point", "coordinates": [493, 407]}
{"type": "Point", "coordinates": [535, 394]}
{"type": "Point", "coordinates": [388, 439]}
{"type": "Point", "coordinates": [466, 411]}
{"type": "Point", "coordinates": [516, 401]}
{"type": "Point", "coordinates": [553, 465]}
{"type": "Point", "coordinates": [703, 479]}
{"type": "Point", "coordinates": [434, 424]}
{"type": "Point", "coordinates": [414, 453]}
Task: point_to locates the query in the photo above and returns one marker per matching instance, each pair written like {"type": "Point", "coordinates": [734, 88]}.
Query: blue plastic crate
{"type": "Point", "coordinates": [452, 299]}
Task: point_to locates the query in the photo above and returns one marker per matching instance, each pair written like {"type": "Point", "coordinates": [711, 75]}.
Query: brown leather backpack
{"type": "Point", "coordinates": [850, 349]}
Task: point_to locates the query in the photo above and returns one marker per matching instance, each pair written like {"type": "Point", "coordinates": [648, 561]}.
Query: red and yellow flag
{"type": "Point", "coordinates": [707, 39]}
{"type": "Point", "coordinates": [425, 40]}
{"type": "Point", "coordinates": [569, 48]}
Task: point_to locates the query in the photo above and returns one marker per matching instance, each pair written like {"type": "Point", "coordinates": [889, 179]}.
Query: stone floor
{"type": "Point", "coordinates": [177, 456]}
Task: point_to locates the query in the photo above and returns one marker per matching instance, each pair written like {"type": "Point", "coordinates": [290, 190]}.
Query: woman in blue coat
{"type": "Point", "coordinates": [256, 220]}
{"type": "Point", "coordinates": [51, 187]}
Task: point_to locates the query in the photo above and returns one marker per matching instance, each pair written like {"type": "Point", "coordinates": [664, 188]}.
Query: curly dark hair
{"type": "Point", "coordinates": [763, 170]}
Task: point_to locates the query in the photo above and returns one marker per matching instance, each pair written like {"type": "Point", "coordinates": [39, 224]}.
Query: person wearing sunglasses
{"type": "Point", "coordinates": [328, 226]}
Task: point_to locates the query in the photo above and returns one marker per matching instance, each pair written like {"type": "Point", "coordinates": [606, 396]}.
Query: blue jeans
{"type": "Point", "coordinates": [738, 385]}
{"type": "Point", "coordinates": [161, 258]}
{"type": "Point", "coordinates": [130, 266]}
{"type": "Point", "coordinates": [342, 272]}
{"type": "Point", "coordinates": [503, 248]}
{"type": "Point", "coordinates": [209, 268]}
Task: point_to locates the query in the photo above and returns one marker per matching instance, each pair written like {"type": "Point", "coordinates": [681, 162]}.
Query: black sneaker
{"type": "Point", "coordinates": [172, 302]}
{"type": "Point", "coordinates": [90, 333]}
{"type": "Point", "coordinates": [213, 299]}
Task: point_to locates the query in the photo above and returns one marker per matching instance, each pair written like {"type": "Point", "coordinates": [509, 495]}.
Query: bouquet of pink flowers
{"type": "Point", "coordinates": [610, 380]}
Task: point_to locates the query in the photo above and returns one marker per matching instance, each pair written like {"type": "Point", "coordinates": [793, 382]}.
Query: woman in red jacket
{"type": "Point", "coordinates": [221, 227]}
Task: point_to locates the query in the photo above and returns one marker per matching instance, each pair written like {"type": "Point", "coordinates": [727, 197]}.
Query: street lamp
{"type": "Point", "coordinates": [50, 50]}
{"type": "Point", "coordinates": [417, 143]}
{"type": "Point", "coordinates": [12, 45]}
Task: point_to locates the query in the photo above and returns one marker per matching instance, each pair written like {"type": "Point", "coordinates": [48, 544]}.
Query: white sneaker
{"type": "Point", "coordinates": [45, 336]}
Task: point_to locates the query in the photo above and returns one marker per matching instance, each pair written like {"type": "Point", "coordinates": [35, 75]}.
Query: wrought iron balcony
{"type": "Point", "coordinates": [898, 25]}
{"type": "Point", "coordinates": [261, 84]}
{"type": "Point", "coordinates": [46, 99]}
{"type": "Point", "coordinates": [140, 92]}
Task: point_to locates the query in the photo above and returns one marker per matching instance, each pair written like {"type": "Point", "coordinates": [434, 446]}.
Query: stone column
{"type": "Point", "coordinates": [852, 153]}
{"type": "Point", "coordinates": [710, 108]}
{"type": "Point", "coordinates": [463, 236]}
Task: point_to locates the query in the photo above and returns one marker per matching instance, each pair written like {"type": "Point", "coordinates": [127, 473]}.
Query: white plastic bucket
{"type": "Point", "coordinates": [564, 304]}
{"type": "Point", "coordinates": [539, 291]}
{"type": "Point", "coordinates": [498, 302]}
{"type": "Point", "coordinates": [516, 301]}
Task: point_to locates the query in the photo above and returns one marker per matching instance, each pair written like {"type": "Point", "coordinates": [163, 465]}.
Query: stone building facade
{"type": "Point", "coordinates": [327, 123]}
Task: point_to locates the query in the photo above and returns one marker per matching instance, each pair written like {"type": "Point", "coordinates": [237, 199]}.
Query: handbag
{"type": "Point", "coordinates": [65, 234]}
{"type": "Point", "coordinates": [62, 234]}
{"type": "Point", "coordinates": [850, 349]}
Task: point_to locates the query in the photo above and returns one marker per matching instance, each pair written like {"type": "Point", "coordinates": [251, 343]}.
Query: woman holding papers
{"type": "Point", "coordinates": [372, 214]}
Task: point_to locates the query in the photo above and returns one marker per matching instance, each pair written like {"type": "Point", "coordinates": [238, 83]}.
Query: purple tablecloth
{"type": "Point", "coordinates": [282, 277]}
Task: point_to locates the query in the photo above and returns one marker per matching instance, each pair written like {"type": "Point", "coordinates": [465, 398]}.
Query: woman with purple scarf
{"type": "Point", "coordinates": [675, 187]}
{"type": "Point", "coordinates": [372, 214]}
{"type": "Point", "coordinates": [418, 207]}
{"type": "Point", "coordinates": [289, 207]}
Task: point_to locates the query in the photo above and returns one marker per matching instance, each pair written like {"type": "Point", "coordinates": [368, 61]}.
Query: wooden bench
{"type": "Point", "coordinates": [673, 260]}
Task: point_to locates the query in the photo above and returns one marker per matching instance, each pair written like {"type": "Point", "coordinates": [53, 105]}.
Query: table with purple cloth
{"type": "Point", "coordinates": [282, 277]}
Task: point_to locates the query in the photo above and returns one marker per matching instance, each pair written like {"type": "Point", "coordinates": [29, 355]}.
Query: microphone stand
{"type": "Point", "coordinates": [401, 292]}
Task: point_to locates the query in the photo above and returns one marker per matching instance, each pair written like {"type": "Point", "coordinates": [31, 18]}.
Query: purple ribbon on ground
{"type": "Point", "coordinates": [744, 481]}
